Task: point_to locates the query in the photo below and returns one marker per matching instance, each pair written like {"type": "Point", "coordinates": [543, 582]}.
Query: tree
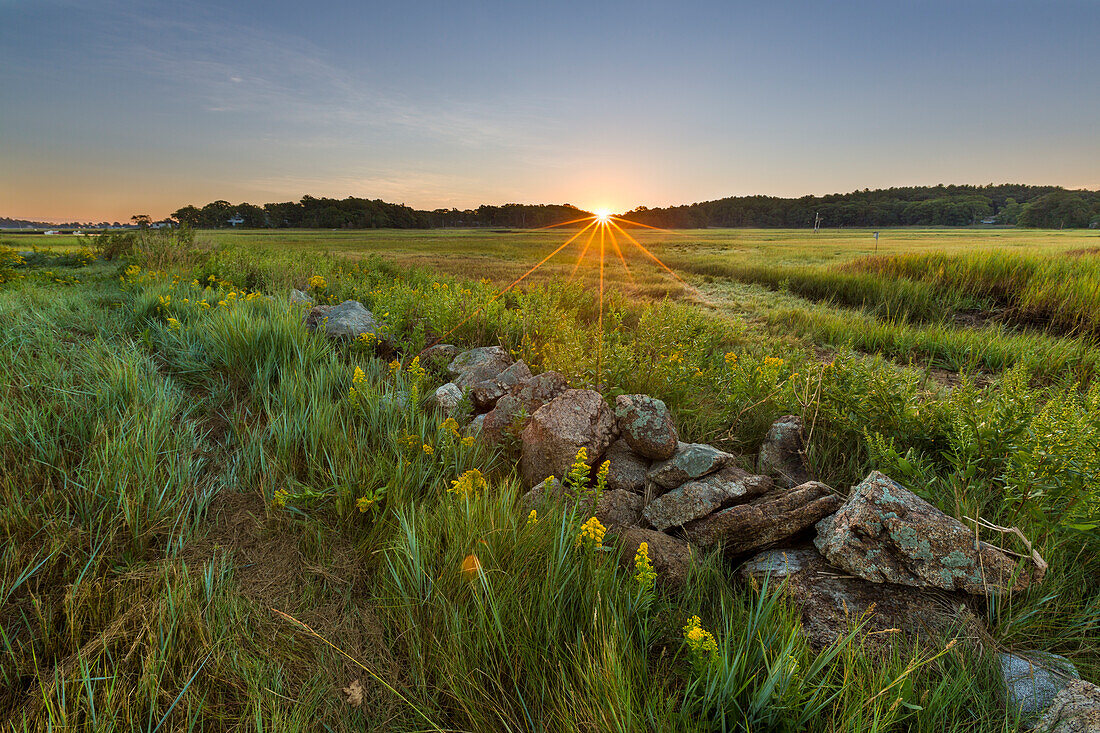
{"type": "Point", "coordinates": [188, 215]}
{"type": "Point", "coordinates": [1058, 210]}
{"type": "Point", "coordinates": [142, 220]}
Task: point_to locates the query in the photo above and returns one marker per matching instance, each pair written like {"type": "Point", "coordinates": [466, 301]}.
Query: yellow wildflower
{"type": "Point", "coordinates": [591, 534]}
{"type": "Point", "coordinates": [395, 366]}
{"type": "Point", "coordinates": [771, 361]}
{"type": "Point", "coordinates": [428, 450]}
{"type": "Point", "coordinates": [415, 370]}
{"type": "Point", "coordinates": [317, 282]}
{"type": "Point", "coordinates": [363, 503]}
{"type": "Point", "coordinates": [701, 642]}
{"type": "Point", "coordinates": [469, 484]}
{"type": "Point", "coordinates": [644, 573]}
{"type": "Point", "coordinates": [279, 501]}
{"type": "Point", "coordinates": [468, 441]}
{"type": "Point", "coordinates": [451, 426]}
{"type": "Point", "coordinates": [173, 323]}
{"type": "Point", "coordinates": [532, 518]}
{"type": "Point", "coordinates": [358, 377]}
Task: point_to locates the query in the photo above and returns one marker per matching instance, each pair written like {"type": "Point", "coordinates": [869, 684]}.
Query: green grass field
{"type": "Point", "coordinates": [204, 529]}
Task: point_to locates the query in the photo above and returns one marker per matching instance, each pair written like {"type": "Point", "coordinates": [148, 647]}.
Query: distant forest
{"type": "Point", "coordinates": [1006, 204]}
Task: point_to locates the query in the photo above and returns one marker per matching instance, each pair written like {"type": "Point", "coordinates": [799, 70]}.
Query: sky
{"type": "Point", "coordinates": [114, 107]}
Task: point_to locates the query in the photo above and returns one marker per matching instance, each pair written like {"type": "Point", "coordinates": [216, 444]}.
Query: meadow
{"type": "Point", "coordinates": [213, 519]}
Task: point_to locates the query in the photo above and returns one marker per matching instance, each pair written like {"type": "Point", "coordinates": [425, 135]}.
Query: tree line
{"type": "Point", "coordinates": [1007, 204]}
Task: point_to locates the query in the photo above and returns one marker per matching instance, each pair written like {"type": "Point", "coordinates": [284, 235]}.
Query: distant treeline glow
{"type": "Point", "coordinates": [1006, 204]}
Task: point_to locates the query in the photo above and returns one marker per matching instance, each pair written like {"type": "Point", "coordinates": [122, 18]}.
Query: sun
{"type": "Point", "coordinates": [602, 215]}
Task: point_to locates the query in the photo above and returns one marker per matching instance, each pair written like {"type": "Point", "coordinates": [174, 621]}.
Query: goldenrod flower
{"type": "Point", "coordinates": [591, 534]}
{"type": "Point", "coordinates": [358, 377]}
{"type": "Point", "coordinates": [469, 484]}
{"type": "Point", "coordinates": [451, 426]}
{"type": "Point", "coordinates": [700, 641]}
{"type": "Point", "coordinates": [532, 518]}
{"type": "Point", "coordinates": [363, 503]}
{"type": "Point", "coordinates": [279, 501]}
{"type": "Point", "coordinates": [468, 441]}
{"type": "Point", "coordinates": [317, 282]}
{"type": "Point", "coordinates": [395, 366]}
{"type": "Point", "coordinates": [428, 450]}
{"type": "Point", "coordinates": [173, 323]}
{"type": "Point", "coordinates": [644, 573]}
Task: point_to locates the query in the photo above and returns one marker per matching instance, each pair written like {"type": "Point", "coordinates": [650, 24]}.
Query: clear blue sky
{"type": "Point", "coordinates": [113, 107]}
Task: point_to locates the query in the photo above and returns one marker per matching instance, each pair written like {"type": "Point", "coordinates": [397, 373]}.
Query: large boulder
{"type": "Point", "coordinates": [349, 320]}
{"type": "Point", "coordinates": [773, 517]}
{"type": "Point", "coordinates": [646, 425]}
{"type": "Point", "coordinates": [691, 460]}
{"type": "Point", "coordinates": [1076, 709]}
{"type": "Point", "coordinates": [831, 603]}
{"type": "Point", "coordinates": [540, 389]}
{"type": "Point", "coordinates": [698, 498]}
{"type": "Point", "coordinates": [555, 433]}
{"type": "Point", "coordinates": [448, 397]}
{"type": "Point", "coordinates": [887, 534]}
{"type": "Point", "coordinates": [1033, 679]}
{"type": "Point", "coordinates": [484, 394]}
{"type": "Point", "coordinates": [501, 420]}
{"type": "Point", "coordinates": [781, 455]}
{"type": "Point", "coordinates": [671, 557]}
{"type": "Point", "coordinates": [525, 399]}
{"type": "Point", "coordinates": [627, 469]}
{"type": "Point", "coordinates": [619, 508]}
{"type": "Point", "coordinates": [477, 365]}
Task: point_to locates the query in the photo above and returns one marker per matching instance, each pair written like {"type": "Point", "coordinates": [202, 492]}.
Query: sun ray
{"type": "Point", "coordinates": [599, 228]}
{"type": "Point", "coordinates": [619, 251]}
{"type": "Point", "coordinates": [647, 226]}
{"type": "Point", "coordinates": [653, 257]}
{"type": "Point", "coordinates": [599, 324]}
{"type": "Point", "coordinates": [565, 223]}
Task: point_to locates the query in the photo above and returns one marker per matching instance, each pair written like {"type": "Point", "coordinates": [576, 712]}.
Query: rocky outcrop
{"type": "Point", "coordinates": [477, 365]}
{"type": "Point", "coordinates": [1076, 709]}
{"type": "Point", "coordinates": [485, 394]}
{"type": "Point", "coordinates": [646, 425]}
{"type": "Point", "coordinates": [575, 419]}
{"type": "Point", "coordinates": [448, 397]}
{"type": "Point", "coordinates": [349, 320]}
{"type": "Point", "coordinates": [690, 461]}
{"type": "Point", "coordinates": [887, 534]}
{"type": "Point", "coordinates": [627, 470]}
{"type": "Point", "coordinates": [781, 455]}
{"type": "Point", "coordinates": [696, 499]}
{"type": "Point", "coordinates": [831, 603]}
{"type": "Point", "coordinates": [671, 557]}
{"type": "Point", "coordinates": [771, 518]}
{"type": "Point", "coordinates": [1032, 680]}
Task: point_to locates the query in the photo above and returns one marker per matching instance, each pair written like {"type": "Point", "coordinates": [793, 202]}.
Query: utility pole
{"type": "Point", "coordinates": [817, 221]}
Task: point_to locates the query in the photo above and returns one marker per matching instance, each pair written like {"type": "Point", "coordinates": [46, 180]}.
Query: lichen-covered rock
{"type": "Point", "coordinates": [1032, 680]}
{"type": "Point", "coordinates": [831, 602]}
{"type": "Point", "coordinates": [477, 365]}
{"type": "Point", "coordinates": [349, 320]}
{"type": "Point", "coordinates": [646, 424]}
{"type": "Point", "coordinates": [691, 460]}
{"type": "Point", "coordinates": [484, 394]}
{"type": "Point", "coordinates": [540, 389]}
{"type": "Point", "coordinates": [773, 517]}
{"type": "Point", "coordinates": [1076, 709]}
{"type": "Point", "coordinates": [698, 498]}
{"type": "Point", "coordinates": [627, 469]}
{"type": "Point", "coordinates": [438, 356]}
{"type": "Point", "coordinates": [619, 508]}
{"type": "Point", "coordinates": [575, 419]}
{"type": "Point", "coordinates": [887, 534]}
{"type": "Point", "coordinates": [671, 556]}
{"type": "Point", "coordinates": [501, 420]}
{"type": "Point", "coordinates": [297, 297]}
{"type": "Point", "coordinates": [781, 454]}
{"type": "Point", "coordinates": [510, 411]}
{"type": "Point", "coordinates": [448, 397]}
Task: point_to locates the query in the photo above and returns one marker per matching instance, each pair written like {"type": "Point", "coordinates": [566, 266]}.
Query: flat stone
{"type": "Point", "coordinates": [887, 534]}
{"type": "Point", "coordinates": [671, 557]}
{"type": "Point", "coordinates": [555, 433]}
{"type": "Point", "coordinates": [831, 602]}
{"type": "Point", "coordinates": [1076, 709]}
{"type": "Point", "coordinates": [477, 365]}
{"type": "Point", "coordinates": [627, 470]}
{"type": "Point", "coordinates": [646, 424]}
{"type": "Point", "coordinates": [773, 517]}
{"type": "Point", "coordinates": [781, 455]}
{"type": "Point", "coordinates": [691, 460]}
{"type": "Point", "coordinates": [1033, 679]}
{"type": "Point", "coordinates": [700, 497]}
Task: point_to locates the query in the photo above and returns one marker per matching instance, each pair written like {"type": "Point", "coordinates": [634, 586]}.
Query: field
{"type": "Point", "coordinates": [210, 521]}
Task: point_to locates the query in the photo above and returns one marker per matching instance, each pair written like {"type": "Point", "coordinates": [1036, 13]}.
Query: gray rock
{"type": "Point", "coordinates": [781, 456]}
{"type": "Point", "coordinates": [773, 517]}
{"type": "Point", "coordinates": [691, 460]}
{"type": "Point", "coordinates": [619, 508]}
{"type": "Point", "coordinates": [698, 498]}
{"type": "Point", "coordinates": [540, 389]}
{"type": "Point", "coordinates": [477, 365]}
{"type": "Point", "coordinates": [1033, 679]}
{"type": "Point", "coordinates": [575, 419]}
{"type": "Point", "coordinates": [500, 421]}
{"type": "Point", "coordinates": [671, 557]}
{"type": "Point", "coordinates": [484, 394]}
{"type": "Point", "coordinates": [348, 320]}
{"type": "Point", "coordinates": [537, 497]}
{"type": "Point", "coordinates": [438, 356]}
{"type": "Point", "coordinates": [1076, 709]}
{"type": "Point", "coordinates": [526, 398]}
{"type": "Point", "coordinates": [297, 297]}
{"type": "Point", "coordinates": [627, 470]}
{"type": "Point", "coordinates": [475, 426]}
{"type": "Point", "coordinates": [887, 534]}
{"type": "Point", "coordinates": [646, 424]}
{"type": "Point", "coordinates": [831, 603]}
{"type": "Point", "coordinates": [448, 397]}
